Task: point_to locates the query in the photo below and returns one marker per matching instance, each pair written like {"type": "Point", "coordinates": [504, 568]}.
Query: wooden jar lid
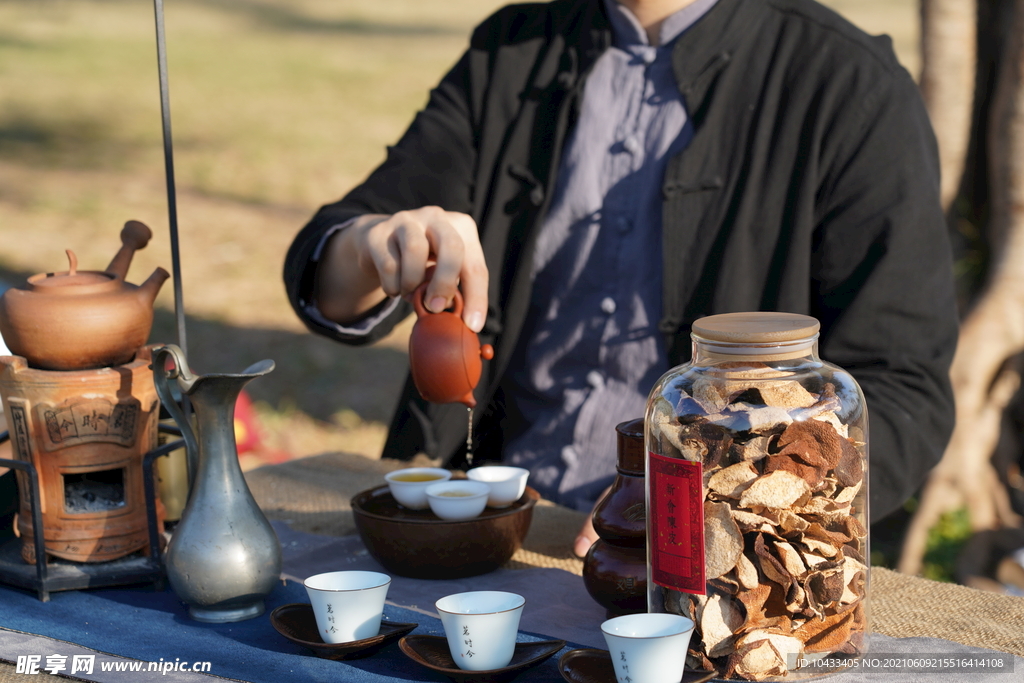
{"type": "Point", "coordinates": [769, 335]}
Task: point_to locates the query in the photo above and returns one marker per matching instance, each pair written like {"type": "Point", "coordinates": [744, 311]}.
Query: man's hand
{"type": "Point", "coordinates": [380, 256]}
{"type": "Point", "coordinates": [586, 538]}
{"type": "Point", "coordinates": [588, 535]}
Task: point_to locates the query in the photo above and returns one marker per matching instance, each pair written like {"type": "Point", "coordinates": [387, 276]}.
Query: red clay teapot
{"type": "Point", "coordinates": [444, 354]}
{"type": "Point", "coordinates": [81, 319]}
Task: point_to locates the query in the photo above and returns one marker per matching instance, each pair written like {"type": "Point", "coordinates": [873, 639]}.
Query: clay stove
{"type": "Point", "coordinates": [85, 432]}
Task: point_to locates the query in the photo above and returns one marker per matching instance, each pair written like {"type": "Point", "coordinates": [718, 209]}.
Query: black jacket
{"type": "Point", "coordinates": [810, 186]}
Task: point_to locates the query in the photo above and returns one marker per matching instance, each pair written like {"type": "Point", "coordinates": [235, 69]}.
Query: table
{"type": "Point", "coordinates": [308, 500]}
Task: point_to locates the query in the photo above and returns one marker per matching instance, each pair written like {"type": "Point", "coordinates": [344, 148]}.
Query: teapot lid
{"type": "Point", "coordinates": [70, 278]}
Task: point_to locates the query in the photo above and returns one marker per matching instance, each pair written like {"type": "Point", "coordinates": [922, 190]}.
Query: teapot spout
{"type": "Point", "coordinates": [149, 289]}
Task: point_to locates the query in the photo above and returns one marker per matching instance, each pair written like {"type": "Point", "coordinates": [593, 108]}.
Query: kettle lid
{"type": "Point", "coordinates": [70, 278]}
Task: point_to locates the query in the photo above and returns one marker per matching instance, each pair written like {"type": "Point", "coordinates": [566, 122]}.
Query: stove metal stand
{"type": "Point", "coordinates": [62, 575]}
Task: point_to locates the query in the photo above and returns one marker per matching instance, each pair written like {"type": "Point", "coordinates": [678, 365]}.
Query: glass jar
{"type": "Point", "coordinates": [757, 499]}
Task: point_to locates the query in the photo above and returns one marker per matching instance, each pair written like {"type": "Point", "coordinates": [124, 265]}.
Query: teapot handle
{"type": "Point", "coordinates": [421, 309]}
{"type": "Point", "coordinates": [185, 380]}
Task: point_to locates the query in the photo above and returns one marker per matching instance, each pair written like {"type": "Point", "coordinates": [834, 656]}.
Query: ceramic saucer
{"type": "Point", "coordinates": [432, 652]}
{"type": "Point", "coordinates": [297, 623]}
{"type": "Point", "coordinates": [590, 665]}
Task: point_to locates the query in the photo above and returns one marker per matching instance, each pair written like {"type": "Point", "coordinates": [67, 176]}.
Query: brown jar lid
{"type": "Point", "coordinates": [758, 327]}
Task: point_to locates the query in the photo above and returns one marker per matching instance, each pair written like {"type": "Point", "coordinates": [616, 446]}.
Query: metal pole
{"type": "Point", "coordinates": [172, 207]}
{"type": "Point", "coordinates": [172, 203]}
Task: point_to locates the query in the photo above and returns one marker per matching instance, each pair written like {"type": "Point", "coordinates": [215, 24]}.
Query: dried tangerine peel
{"type": "Point", "coordinates": [723, 542]}
{"type": "Point", "coordinates": [779, 489]}
{"type": "Point", "coordinates": [733, 480]}
{"type": "Point", "coordinates": [780, 478]}
{"type": "Point", "coordinates": [719, 618]}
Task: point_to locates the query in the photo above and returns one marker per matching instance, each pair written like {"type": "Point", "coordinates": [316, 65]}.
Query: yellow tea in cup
{"type": "Point", "coordinates": [416, 476]}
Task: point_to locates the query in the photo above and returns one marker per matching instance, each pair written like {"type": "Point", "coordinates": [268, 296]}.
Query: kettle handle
{"type": "Point", "coordinates": [421, 309]}
{"type": "Point", "coordinates": [185, 379]}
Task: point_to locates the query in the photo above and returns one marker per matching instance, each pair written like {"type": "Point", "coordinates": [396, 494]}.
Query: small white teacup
{"type": "Point", "coordinates": [409, 486]}
{"type": "Point", "coordinates": [507, 483]}
{"type": "Point", "coordinates": [458, 499]}
{"type": "Point", "coordinates": [648, 648]}
{"type": "Point", "coordinates": [481, 627]}
{"type": "Point", "coordinates": [348, 605]}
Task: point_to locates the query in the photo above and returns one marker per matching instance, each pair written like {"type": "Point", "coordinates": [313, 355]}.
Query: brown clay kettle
{"type": "Point", "coordinates": [444, 354]}
{"type": "Point", "coordinates": [81, 319]}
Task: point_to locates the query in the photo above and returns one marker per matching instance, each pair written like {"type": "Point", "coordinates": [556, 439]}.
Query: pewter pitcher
{"type": "Point", "coordinates": [224, 556]}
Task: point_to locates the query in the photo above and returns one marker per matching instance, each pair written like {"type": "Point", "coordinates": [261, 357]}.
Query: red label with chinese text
{"type": "Point", "coordinates": [677, 523]}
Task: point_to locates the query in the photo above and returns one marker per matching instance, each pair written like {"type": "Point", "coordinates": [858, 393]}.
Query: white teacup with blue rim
{"type": "Point", "coordinates": [348, 605]}
{"type": "Point", "coordinates": [481, 627]}
{"type": "Point", "coordinates": [648, 648]}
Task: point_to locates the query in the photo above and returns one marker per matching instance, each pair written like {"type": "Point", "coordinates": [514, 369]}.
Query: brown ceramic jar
{"type": "Point", "coordinates": [615, 569]}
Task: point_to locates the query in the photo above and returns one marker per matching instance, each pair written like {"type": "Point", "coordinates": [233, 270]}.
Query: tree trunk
{"type": "Point", "coordinates": [948, 52]}
{"type": "Point", "coordinates": [984, 372]}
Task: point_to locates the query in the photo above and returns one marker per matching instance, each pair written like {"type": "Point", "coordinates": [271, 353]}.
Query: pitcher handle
{"type": "Point", "coordinates": [185, 380]}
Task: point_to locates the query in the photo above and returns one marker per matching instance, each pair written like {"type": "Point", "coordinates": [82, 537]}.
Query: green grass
{"type": "Point", "coordinates": [945, 540]}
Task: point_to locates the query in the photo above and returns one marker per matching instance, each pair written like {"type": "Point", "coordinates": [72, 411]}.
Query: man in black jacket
{"type": "Point", "coordinates": [808, 183]}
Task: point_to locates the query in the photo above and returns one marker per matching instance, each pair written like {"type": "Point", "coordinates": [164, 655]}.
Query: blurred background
{"type": "Point", "coordinates": [278, 106]}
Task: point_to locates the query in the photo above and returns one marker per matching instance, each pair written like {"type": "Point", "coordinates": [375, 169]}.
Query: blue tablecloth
{"type": "Point", "coordinates": [149, 625]}
{"type": "Point", "coordinates": [152, 626]}
{"type": "Point", "coordinates": [145, 624]}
